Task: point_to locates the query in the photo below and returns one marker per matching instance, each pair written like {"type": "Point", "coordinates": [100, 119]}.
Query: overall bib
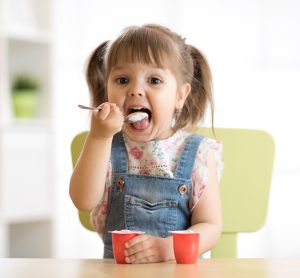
{"type": "Point", "coordinates": [152, 204]}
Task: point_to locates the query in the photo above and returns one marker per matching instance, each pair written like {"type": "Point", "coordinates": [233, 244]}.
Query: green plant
{"type": "Point", "coordinates": [24, 82]}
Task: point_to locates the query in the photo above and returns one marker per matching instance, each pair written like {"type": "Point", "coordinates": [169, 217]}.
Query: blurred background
{"type": "Point", "coordinates": [253, 49]}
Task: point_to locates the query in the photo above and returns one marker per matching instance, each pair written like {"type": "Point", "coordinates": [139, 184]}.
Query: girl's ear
{"type": "Point", "coordinates": [182, 94]}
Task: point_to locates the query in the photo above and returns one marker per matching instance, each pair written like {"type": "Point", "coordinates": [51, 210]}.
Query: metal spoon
{"type": "Point", "coordinates": [131, 118]}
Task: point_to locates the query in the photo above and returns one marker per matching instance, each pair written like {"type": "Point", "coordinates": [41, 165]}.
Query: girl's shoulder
{"type": "Point", "coordinates": [211, 144]}
{"type": "Point", "coordinates": [206, 143]}
{"type": "Point", "coordinates": [213, 147]}
{"type": "Point", "coordinates": [207, 146]}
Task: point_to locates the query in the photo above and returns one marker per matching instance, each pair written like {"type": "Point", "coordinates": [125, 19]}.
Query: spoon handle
{"type": "Point", "coordinates": [131, 118]}
{"type": "Point", "coordinates": [126, 119]}
{"type": "Point", "coordinates": [88, 107]}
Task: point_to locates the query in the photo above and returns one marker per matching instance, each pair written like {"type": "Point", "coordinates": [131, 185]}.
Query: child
{"type": "Point", "coordinates": [154, 175]}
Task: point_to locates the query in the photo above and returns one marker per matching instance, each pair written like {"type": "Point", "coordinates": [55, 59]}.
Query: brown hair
{"type": "Point", "coordinates": [155, 44]}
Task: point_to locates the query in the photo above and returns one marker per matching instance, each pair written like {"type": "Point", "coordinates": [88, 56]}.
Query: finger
{"type": "Point", "coordinates": [104, 112]}
{"type": "Point", "coordinates": [115, 110]}
{"type": "Point", "coordinates": [137, 244]}
{"type": "Point", "coordinates": [145, 260]}
{"type": "Point", "coordinates": [116, 116]}
{"type": "Point", "coordinates": [140, 247]}
{"type": "Point", "coordinates": [135, 240]}
{"type": "Point", "coordinates": [99, 107]}
{"type": "Point", "coordinates": [146, 255]}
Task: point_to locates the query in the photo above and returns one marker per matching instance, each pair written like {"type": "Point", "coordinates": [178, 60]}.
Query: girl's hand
{"type": "Point", "coordinates": [149, 249]}
{"type": "Point", "coordinates": [106, 122]}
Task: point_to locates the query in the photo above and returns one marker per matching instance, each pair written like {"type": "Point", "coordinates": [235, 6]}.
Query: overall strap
{"type": "Point", "coordinates": [187, 158]}
{"type": "Point", "coordinates": [119, 154]}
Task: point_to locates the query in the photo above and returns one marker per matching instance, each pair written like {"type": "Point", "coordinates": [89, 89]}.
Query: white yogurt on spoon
{"type": "Point", "coordinates": [136, 117]}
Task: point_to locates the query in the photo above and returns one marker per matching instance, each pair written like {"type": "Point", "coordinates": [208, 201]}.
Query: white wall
{"type": "Point", "coordinates": [253, 48]}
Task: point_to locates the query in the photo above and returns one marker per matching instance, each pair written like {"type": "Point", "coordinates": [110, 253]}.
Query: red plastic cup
{"type": "Point", "coordinates": [186, 246]}
{"type": "Point", "coordinates": [118, 241]}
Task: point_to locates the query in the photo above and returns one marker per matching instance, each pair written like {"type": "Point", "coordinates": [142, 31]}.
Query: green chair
{"type": "Point", "coordinates": [76, 147]}
{"type": "Point", "coordinates": [248, 157]}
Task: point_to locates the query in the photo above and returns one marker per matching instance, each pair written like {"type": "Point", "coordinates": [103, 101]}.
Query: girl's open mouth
{"type": "Point", "coordinates": [141, 125]}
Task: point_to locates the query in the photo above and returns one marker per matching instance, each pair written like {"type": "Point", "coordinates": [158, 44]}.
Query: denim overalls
{"type": "Point", "coordinates": [153, 204]}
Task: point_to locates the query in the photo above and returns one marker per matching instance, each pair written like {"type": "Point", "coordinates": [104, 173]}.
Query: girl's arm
{"type": "Point", "coordinates": [207, 215]}
{"type": "Point", "coordinates": [88, 179]}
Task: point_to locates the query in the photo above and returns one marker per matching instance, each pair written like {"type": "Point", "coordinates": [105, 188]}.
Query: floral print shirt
{"type": "Point", "coordinates": [159, 158]}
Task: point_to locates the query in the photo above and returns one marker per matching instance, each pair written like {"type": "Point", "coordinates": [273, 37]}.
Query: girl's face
{"type": "Point", "coordinates": [143, 87]}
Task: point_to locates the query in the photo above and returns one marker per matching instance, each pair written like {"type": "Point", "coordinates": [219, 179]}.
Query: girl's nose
{"type": "Point", "coordinates": [136, 91]}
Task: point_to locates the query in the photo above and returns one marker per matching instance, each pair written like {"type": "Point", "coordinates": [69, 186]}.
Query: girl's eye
{"type": "Point", "coordinates": [155, 80]}
{"type": "Point", "coordinates": [122, 80]}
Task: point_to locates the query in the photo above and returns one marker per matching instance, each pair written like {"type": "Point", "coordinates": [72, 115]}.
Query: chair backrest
{"type": "Point", "coordinates": [248, 157]}
{"type": "Point", "coordinates": [76, 147]}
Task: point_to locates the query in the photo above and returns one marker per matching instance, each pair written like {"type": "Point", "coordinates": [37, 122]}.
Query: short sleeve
{"type": "Point", "coordinates": [200, 172]}
{"type": "Point", "coordinates": [99, 213]}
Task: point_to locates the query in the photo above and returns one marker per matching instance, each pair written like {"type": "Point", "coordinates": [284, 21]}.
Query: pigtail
{"type": "Point", "coordinates": [95, 75]}
{"type": "Point", "coordinates": [201, 88]}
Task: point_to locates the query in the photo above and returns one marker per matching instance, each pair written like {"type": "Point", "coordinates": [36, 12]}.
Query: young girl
{"type": "Point", "coordinates": [154, 175]}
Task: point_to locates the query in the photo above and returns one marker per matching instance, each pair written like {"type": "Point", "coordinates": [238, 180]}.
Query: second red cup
{"type": "Point", "coordinates": [186, 246]}
{"type": "Point", "coordinates": [118, 241]}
